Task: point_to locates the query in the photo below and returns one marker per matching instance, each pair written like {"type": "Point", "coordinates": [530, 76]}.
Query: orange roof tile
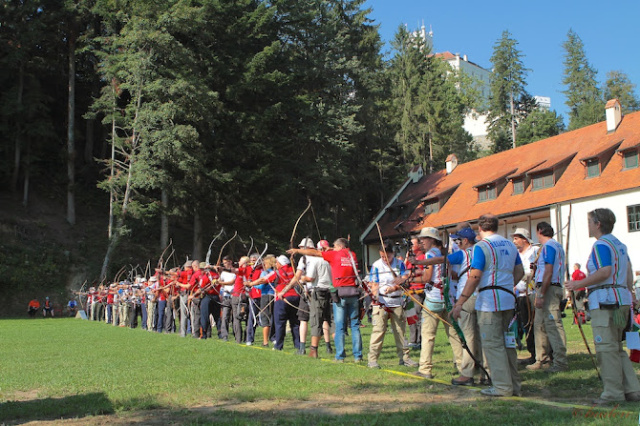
{"type": "Point", "coordinates": [568, 147]}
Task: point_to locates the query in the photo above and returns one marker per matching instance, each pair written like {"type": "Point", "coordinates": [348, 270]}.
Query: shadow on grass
{"type": "Point", "coordinates": [75, 406]}
{"type": "Point", "coordinates": [90, 404]}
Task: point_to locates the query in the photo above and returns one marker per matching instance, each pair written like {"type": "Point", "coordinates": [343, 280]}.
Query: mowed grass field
{"type": "Point", "coordinates": [81, 372]}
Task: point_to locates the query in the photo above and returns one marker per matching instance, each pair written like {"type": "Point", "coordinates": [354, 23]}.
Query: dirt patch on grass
{"type": "Point", "coordinates": [271, 410]}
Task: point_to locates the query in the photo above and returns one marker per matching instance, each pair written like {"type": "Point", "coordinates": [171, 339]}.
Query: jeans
{"type": "Point", "coordinates": [162, 304]}
{"type": "Point", "coordinates": [144, 316]}
{"type": "Point", "coordinates": [347, 309]}
{"type": "Point", "coordinates": [284, 312]}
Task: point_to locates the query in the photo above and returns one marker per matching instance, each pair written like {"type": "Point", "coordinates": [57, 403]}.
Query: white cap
{"type": "Point", "coordinates": [523, 232]}
{"type": "Point", "coordinates": [283, 260]}
{"type": "Point", "coordinates": [306, 243]}
{"type": "Point", "coordinates": [429, 232]}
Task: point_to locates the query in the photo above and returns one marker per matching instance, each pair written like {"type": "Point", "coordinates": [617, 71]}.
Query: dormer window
{"type": "Point", "coordinates": [431, 206]}
{"type": "Point", "coordinates": [542, 181]}
{"type": "Point", "coordinates": [630, 160]}
{"type": "Point", "coordinates": [518, 186]}
{"type": "Point", "coordinates": [486, 193]}
{"type": "Point", "coordinates": [593, 168]}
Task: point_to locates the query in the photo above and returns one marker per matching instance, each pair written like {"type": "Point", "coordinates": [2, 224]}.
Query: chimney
{"type": "Point", "coordinates": [415, 174]}
{"type": "Point", "coordinates": [613, 112]}
{"type": "Point", "coordinates": [452, 162]}
{"type": "Point", "coordinates": [465, 58]}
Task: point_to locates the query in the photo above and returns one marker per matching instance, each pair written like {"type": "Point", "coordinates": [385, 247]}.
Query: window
{"type": "Point", "coordinates": [518, 186]}
{"type": "Point", "coordinates": [487, 193]}
{"type": "Point", "coordinates": [431, 206]}
{"type": "Point", "coordinates": [542, 181]}
{"type": "Point", "coordinates": [593, 168]}
{"type": "Point", "coordinates": [630, 159]}
{"type": "Point", "coordinates": [633, 216]}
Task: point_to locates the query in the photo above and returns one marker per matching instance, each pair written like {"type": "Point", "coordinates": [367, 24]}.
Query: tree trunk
{"type": "Point", "coordinates": [18, 136]}
{"type": "Point", "coordinates": [164, 220]}
{"type": "Point", "coordinates": [27, 172]}
{"type": "Point", "coordinates": [513, 122]}
{"type": "Point", "coordinates": [197, 236]}
{"type": "Point", "coordinates": [111, 175]}
{"type": "Point", "coordinates": [89, 141]}
{"type": "Point", "coordinates": [71, 107]}
{"type": "Point", "coordinates": [113, 243]}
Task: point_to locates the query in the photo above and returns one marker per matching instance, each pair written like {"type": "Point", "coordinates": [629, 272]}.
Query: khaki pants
{"type": "Point", "coordinates": [618, 375]}
{"type": "Point", "coordinates": [548, 328]}
{"type": "Point", "coordinates": [429, 329]}
{"type": "Point", "coordinates": [502, 361]}
{"type": "Point", "coordinates": [151, 311]}
{"type": "Point", "coordinates": [380, 318]}
{"type": "Point", "coordinates": [469, 325]}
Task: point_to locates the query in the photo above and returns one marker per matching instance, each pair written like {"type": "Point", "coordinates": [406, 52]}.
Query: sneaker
{"type": "Point", "coordinates": [537, 366]}
{"type": "Point", "coordinates": [491, 392]}
{"type": "Point", "coordinates": [265, 345]}
{"type": "Point", "coordinates": [526, 361]}
{"type": "Point", "coordinates": [408, 362]}
{"type": "Point", "coordinates": [557, 369]}
{"type": "Point", "coordinates": [632, 396]}
{"type": "Point", "coordinates": [358, 361]}
{"type": "Point", "coordinates": [463, 381]}
{"type": "Point", "coordinates": [339, 361]}
{"type": "Point", "coordinates": [249, 343]}
{"type": "Point", "coordinates": [373, 364]}
{"type": "Point", "coordinates": [313, 352]}
{"type": "Point", "coordinates": [301, 351]}
{"type": "Point", "coordinates": [329, 349]}
{"type": "Point", "coordinates": [424, 375]}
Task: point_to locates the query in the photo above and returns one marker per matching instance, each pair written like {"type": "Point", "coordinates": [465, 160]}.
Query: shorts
{"type": "Point", "coordinates": [266, 310]}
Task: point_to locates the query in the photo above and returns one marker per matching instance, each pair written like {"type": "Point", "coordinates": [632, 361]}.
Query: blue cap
{"type": "Point", "coordinates": [467, 233]}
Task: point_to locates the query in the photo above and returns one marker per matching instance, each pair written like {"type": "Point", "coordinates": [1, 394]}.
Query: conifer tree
{"type": "Point", "coordinates": [508, 99]}
{"type": "Point", "coordinates": [584, 98]}
{"type": "Point", "coordinates": [619, 86]}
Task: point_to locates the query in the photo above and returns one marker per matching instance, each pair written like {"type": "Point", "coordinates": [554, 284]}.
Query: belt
{"type": "Point", "coordinates": [538, 285]}
{"type": "Point", "coordinates": [605, 286]}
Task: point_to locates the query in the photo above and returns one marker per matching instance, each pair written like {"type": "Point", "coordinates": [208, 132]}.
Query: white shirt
{"type": "Point", "coordinates": [318, 269]}
{"type": "Point", "coordinates": [226, 276]}
{"type": "Point", "coordinates": [528, 257]}
{"type": "Point", "coordinates": [382, 274]}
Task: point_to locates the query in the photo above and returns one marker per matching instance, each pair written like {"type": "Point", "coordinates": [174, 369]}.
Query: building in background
{"type": "Point", "coordinates": [557, 180]}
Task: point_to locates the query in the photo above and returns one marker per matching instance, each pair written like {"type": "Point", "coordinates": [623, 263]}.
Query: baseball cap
{"type": "Point", "coordinates": [467, 233]}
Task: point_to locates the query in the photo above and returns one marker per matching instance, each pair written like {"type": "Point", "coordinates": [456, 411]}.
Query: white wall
{"type": "Point", "coordinates": [580, 242]}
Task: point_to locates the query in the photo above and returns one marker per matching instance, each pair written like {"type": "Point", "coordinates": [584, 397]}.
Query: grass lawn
{"type": "Point", "coordinates": [80, 371]}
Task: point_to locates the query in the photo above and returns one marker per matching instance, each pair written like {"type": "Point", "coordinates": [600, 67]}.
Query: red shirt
{"type": "Point", "coordinates": [578, 275]}
{"type": "Point", "coordinates": [243, 275]}
{"type": "Point", "coordinates": [417, 271]}
{"type": "Point", "coordinates": [255, 293]}
{"type": "Point", "coordinates": [205, 279]}
{"type": "Point", "coordinates": [161, 281]}
{"type": "Point", "coordinates": [285, 274]}
{"type": "Point", "coordinates": [341, 267]}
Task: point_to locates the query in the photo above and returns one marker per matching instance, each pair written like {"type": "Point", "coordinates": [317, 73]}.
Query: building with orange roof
{"type": "Point", "coordinates": [558, 180]}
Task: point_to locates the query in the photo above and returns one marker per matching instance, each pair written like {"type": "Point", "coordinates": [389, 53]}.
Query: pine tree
{"type": "Point", "coordinates": [584, 98]}
{"type": "Point", "coordinates": [508, 99]}
{"type": "Point", "coordinates": [619, 86]}
{"type": "Point", "coordinates": [539, 124]}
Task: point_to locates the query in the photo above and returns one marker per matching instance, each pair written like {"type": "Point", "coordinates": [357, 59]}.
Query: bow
{"type": "Point", "coordinates": [251, 246]}
{"type": "Point", "coordinates": [211, 245]}
{"type": "Point", "coordinates": [160, 260]}
{"type": "Point", "coordinates": [573, 300]}
{"type": "Point", "coordinates": [223, 246]}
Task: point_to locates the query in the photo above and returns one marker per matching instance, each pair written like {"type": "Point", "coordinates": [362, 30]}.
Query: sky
{"type": "Point", "coordinates": [609, 32]}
